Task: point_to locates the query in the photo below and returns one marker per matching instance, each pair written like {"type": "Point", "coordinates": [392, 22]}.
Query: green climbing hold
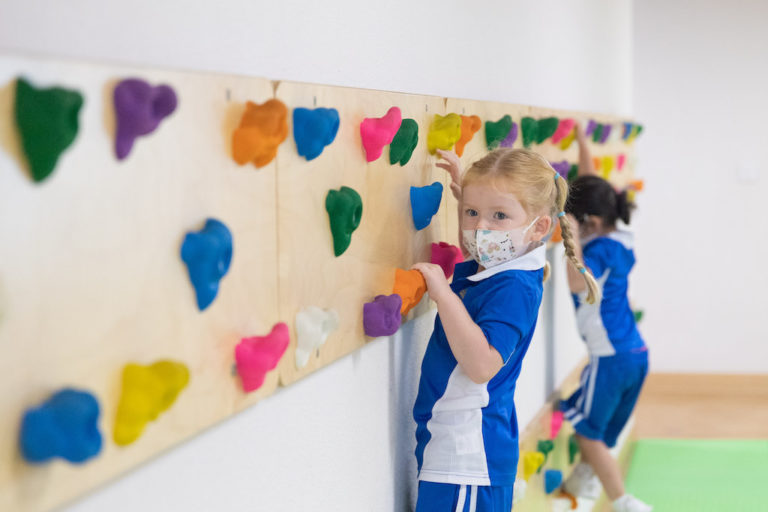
{"type": "Point", "coordinates": [345, 208]}
{"type": "Point", "coordinates": [638, 129]}
{"type": "Point", "coordinates": [544, 447]}
{"type": "Point", "coordinates": [639, 315]}
{"type": "Point", "coordinates": [47, 123]}
{"type": "Point", "coordinates": [547, 128]}
{"type": "Point", "coordinates": [495, 132]}
{"type": "Point", "coordinates": [402, 146]}
{"type": "Point", "coordinates": [598, 133]}
{"type": "Point", "coordinates": [573, 448]}
{"type": "Point", "coordinates": [530, 129]}
{"type": "Point", "coordinates": [573, 173]}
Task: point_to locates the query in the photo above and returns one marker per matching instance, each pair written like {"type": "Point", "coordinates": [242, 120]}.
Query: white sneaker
{"type": "Point", "coordinates": [629, 503]}
{"type": "Point", "coordinates": [583, 482]}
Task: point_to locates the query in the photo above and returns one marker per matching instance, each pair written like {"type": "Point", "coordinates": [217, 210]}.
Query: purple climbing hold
{"type": "Point", "coordinates": [382, 316]}
{"type": "Point", "coordinates": [139, 109]}
{"type": "Point", "coordinates": [605, 133]}
{"type": "Point", "coordinates": [591, 126]}
{"type": "Point", "coordinates": [562, 168]}
{"type": "Point", "coordinates": [511, 137]}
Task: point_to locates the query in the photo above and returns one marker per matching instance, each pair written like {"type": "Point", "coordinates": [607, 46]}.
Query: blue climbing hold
{"type": "Point", "coordinates": [552, 480]}
{"type": "Point", "coordinates": [425, 201]}
{"type": "Point", "coordinates": [627, 131]}
{"type": "Point", "coordinates": [65, 425]}
{"type": "Point", "coordinates": [314, 129]}
{"type": "Point", "coordinates": [207, 253]}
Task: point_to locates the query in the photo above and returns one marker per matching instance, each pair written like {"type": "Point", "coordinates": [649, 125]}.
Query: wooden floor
{"type": "Point", "coordinates": [697, 406]}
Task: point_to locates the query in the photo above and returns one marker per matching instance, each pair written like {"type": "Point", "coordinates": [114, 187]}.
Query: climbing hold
{"type": "Point", "coordinates": [591, 127]}
{"type": "Point", "coordinates": [627, 131]}
{"type": "Point", "coordinates": [345, 209]}
{"type": "Point", "coordinates": [518, 491]}
{"type": "Point", "coordinates": [608, 163]}
{"type": "Point", "coordinates": [443, 132]}
{"type": "Point", "coordinates": [547, 127]}
{"type": "Point", "coordinates": [574, 172]}
{"type": "Point", "coordinates": [447, 256]}
{"type": "Point", "coordinates": [379, 132]}
{"type": "Point", "coordinates": [637, 185]}
{"type": "Point", "coordinates": [404, 143]}
{"type": "Point", "coordinates": [563, 129]}
{"type": "Point", "coordinates": [555, 422]}
{"type": "Point", "coordinates": [314, 129]}
{"type": "Point", "coordinates": [605, 133]}
{"type": "Point", "coordinates": [545, 446]}
{"type": "Point", "coordinates": [258, 355]}
{"type": "Point", "coordinates": [530, 128]}
{"type": "Point", "coordinates": [568, 140]}
{"type": "Point", "coordinates": [620, 160]}
{"type": "Point", "coordinates": [598, 133]}
{"type": "Point", "coordinates": [313, 326]}
{"type": "Point", "coordinates": [562, 167]}
{"type": "Point", "coordinates": [147, 391]}
{"type": "Point", "coordinates": [509, 140]}
{"type": "Point", "coordinates": [47, 124]}
{"type": "Point", "coordinates": [262, 129]}
{"type": "Point", "coordinates": [573, 448]}
{"type": "Point", "coordinates": [65, 426]}
{"type": "Point", "coordinates": [636, 131]}
{"type": "Point", "coordinates": [597, 163]}
{"type": "Point", "coordinates": [552, 480]}
{"type": "Point", "coordinates": [469, 126]}
{"type": "Point", "coordinates": [207, 253]}
{"type": "Point", "coordinates": [382, 316]}
{"type": "Point", "coordinates": [411, 287]}
{"type": "Point", "coordinates": [495, 132]}
{"type": "Point", "coordinates": [532, 462]}
{"type": "Point", "coordinates": [425, 201]}
{"type": "Point", "coordinates": [139, 109]}
{"type": "Point", "coordinates": [639, 315]}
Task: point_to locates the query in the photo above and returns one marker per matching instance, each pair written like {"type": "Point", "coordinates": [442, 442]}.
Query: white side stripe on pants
{"type": "Point", "coordinates": [462, 498]}
{"type": "Point", "coordinates": [473, 499]}
{"type": "Point", "coordinates": [591, 391]}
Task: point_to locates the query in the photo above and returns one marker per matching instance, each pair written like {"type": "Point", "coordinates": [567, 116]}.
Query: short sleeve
{"type": "Point", "coordinates": [506, 317]}
{"type": "Point", "coordinates": [595, 258]}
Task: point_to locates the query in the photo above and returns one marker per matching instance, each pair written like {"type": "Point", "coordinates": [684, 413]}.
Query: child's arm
{"type": "Point", "coordinates": [453, 166]}
{"type": "Point", "coordinates": [479, 360]}
{"type": "Point", "coordinates": [575, 280]}
{"type": "Point", "coordinates": [586, 167]}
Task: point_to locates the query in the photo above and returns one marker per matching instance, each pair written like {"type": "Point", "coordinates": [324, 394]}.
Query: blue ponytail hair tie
{"type": "Point", "coordinates": [557, 175]}
{"type": "Point", "coordinates": [583, 270]}
{"type": "Point", "coordinates": [561, 214]}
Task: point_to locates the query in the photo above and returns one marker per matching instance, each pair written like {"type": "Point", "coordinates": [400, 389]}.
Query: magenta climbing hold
{"type": "Point", "coordinates": [562, 168]}
{"type": "Point", "coordinates": [379, 132]}
{"type": "Point", "coordinates": [563, 129]}
{"type": "Point", "coordinates": [447, 256]}
{"type": "Point", "coordinates": [555, 423]}
{"type": "Point", "coordinates": [425, 201]}
{"type": "Point", "coordinates": [139, 109]}
{"type": "Point", "coordinates": [258, 355]}
{"type": "Point", "coordinates": [620, 160]}
{"type": "Point", "coordinates": [382, 316]}
{"type": "Point", "coordinates": [511, 137]}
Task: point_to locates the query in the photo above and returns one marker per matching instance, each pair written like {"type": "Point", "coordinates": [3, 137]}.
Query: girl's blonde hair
{"type": "Point", "coordinates": [539, 188]}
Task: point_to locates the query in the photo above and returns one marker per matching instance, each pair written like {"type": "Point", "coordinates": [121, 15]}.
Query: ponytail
{"type": "Point", "coordinates": [623, 206]}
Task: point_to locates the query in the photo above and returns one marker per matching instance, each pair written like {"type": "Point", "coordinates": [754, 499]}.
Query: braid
{"type": "Point", "coordinates": [593, 289]}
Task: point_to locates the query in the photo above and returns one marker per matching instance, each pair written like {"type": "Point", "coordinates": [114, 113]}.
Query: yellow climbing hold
{"type": "Point", "coordinates": [609, 163]}
{"type": "Point", "coordinates": [443, 132]}
{"type": "Point", "coordinates": [147, 391]}
{"type": "Point", "coordinates": [532, 461]}
{"type": "Point", "coordinates": [568, 140]}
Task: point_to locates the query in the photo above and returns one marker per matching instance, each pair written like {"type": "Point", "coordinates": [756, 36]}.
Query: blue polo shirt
{"type": "Point", "coordinates": [609, 327]}
{"type": "Point", "coordinates": [466, 433]}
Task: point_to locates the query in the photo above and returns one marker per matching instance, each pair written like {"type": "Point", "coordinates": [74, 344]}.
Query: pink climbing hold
{"type": "Point", "coordinates": [379, 132]}
{"type": "Point", "coordinates": [555, 423]}
{"type": "Point", "coordinates": [257, 355]}
{"type": "Point", "coordinates": [563, 129]}
{"type": "Point", "coordinates": [447, 256]}
{"type": "Point", "coordinates": [620, 160]}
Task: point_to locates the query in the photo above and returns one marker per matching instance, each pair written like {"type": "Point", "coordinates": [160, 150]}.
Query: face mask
{"type": "Point", "coordinates": [492, 247]}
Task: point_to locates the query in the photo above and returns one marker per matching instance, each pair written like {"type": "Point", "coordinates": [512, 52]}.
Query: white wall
{"type": "Point", "coordinates": [342, 438]}
{"type": "Point", "coordinates": [700, 75]}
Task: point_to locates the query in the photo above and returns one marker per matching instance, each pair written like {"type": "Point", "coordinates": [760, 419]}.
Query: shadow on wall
{"type": "Point", "coordinates": [406, 351]}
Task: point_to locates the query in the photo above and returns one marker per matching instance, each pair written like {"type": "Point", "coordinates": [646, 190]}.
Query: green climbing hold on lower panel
{"type": "Point", "coordinates": [345, 208]}
{"type": "Point", "coordinates": [47, 123]}
{"type": "Point", "coordinates": [573, 448]}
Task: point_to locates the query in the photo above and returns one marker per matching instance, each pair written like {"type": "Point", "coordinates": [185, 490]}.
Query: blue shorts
{"type": "Point", "coordinates": [610, 386]}
{"type": "Point", "coordinates": [435, 497]}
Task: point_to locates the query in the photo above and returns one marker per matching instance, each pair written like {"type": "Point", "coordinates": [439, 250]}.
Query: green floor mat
{"type": "Point", "coordinates": [680, 475]}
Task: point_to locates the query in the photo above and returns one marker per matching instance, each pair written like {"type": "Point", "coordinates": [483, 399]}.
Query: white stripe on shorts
{"type": "Point", "coordinates": [462, 498]}
{"type": "Point", "coordinates": [591, 391]}
{"type": "Point", "coordinates": [473, 499]}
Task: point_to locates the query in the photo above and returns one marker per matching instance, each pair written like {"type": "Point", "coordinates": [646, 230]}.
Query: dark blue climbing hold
{"type": "Point", "coordinates": [207, 253]}
{"type": "Point", "coordinates": [425, 201]}
{"type": "Point", "coordinates": [552, 480]}
{"type": "Point", "coordinates": [65, 425]}
{"type": "Point", "coordinates": [314, 129]}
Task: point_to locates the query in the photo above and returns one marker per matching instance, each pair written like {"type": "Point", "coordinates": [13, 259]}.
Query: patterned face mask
{"type": "Point", "coordinates": [492, 247]}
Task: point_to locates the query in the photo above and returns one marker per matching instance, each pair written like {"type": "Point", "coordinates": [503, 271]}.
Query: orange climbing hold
{"type": "Point", "coordinates": [262, 129]}
{"type": "Point", "coordinates": [637, 185]}
{"type": "Point", "coordinates": [469, 126]}
{"type": "Point", "coordinates": [410, 286]}
{"type": "Point", "coordinates": [557, 234]}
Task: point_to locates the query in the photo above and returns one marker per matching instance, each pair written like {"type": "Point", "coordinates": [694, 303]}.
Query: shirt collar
{"type": "Point", "coordinates": [624, 237]}
{"type": "Point", "coordinates": [532, 260]}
